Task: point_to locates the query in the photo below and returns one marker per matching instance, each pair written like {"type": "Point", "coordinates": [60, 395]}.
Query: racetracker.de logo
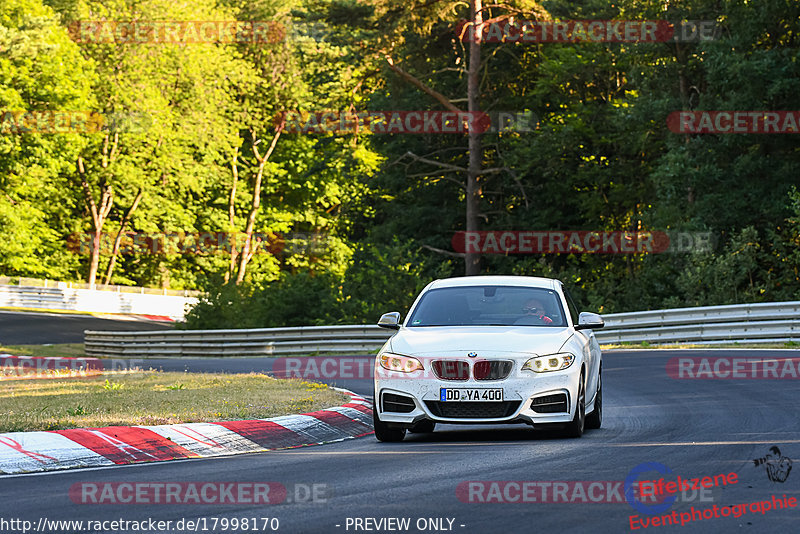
{"type": "Point", "coordinates": [204, 493]}
{"type": "Point", "coordinates": [322, 368]}
{"type": "Point", "coordinates": [549, 492]}
{"type": "Point", "coordinates": [579, 242]}
{"type": "Point", "coordinates": [176, 31]}
{"type": "Point", "coordinates": [734, 122]}
{"type": "Point", "coordinates": [36, 367]}
{"type": "Point", "coordinates": [514, 30]}
{"type": "Point", "coordinates": [48, 121]}
{"type": "Point", "coordinates": [174, 243]}
{"type": "Point", "coordinates": [389, 366]}
{"type": "Point", "coordinates": [404, 122]}
{"type": "Point", "coordinates": [727, 368]}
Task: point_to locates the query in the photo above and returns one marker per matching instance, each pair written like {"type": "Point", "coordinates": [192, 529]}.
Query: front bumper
{"type": "Point", "coordinates": [527, 396]}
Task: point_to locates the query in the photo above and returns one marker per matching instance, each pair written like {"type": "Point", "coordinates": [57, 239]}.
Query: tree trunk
{"type": "Point", "coordinates": [125, 219]}
{"type": "Point", "coordinates": [247, 248]}
{"type": "Point", "coordinates": [232, 215]}
{"type": "Point", "coordinates": [472, 259]}
{"type": "Point", "coordinates": [681, 56]}
{"type": "Point", "coordinates": [98, 214]}
{"type": "Point", "coordinates": [247, 252]}
{"type": "Point", "coordinates": [473, 173]}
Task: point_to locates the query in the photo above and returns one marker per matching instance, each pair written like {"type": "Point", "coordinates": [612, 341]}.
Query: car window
{"type": "Point", "coordinates": [489, 305]}
{"type": "Point", "coordinates": [573, 310]}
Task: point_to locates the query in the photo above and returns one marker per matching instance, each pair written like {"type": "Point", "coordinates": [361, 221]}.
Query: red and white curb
{"type": "Point", "coordinates": [26, 452]}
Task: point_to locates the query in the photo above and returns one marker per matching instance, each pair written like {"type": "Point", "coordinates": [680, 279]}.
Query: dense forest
{"type": "Point", "coordinates": [240, 139]}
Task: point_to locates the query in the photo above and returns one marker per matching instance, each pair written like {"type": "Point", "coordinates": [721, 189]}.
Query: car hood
{"type": "Point", "coordinates": [487, 339]}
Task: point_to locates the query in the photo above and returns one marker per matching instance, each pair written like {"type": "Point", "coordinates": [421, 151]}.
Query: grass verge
{"type": "Point", "coordinates": [64, 350]}
{"type": "Point", "coordinates": [155, 398]}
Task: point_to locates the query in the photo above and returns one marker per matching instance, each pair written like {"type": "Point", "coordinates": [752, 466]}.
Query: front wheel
{"type": "Point", "coordinates": [595, 419]}
{"type": "Point", "coordinates": [574, 429]}
{"type": "Point", "coordinates": [382, 430]}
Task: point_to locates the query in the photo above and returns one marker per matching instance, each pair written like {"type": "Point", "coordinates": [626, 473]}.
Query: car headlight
{"type": "Point", "coordinates": [396, 362]}
{"type": "Point", "coordinates": [550, 362]}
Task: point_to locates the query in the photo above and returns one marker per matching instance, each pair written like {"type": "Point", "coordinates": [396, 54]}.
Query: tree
{"type": "Point", "coordinates": [178, 98]}
{"type": "Point", "coordinates": [36, 211]}
{"type": "Point", "coordinates": [435, 18]}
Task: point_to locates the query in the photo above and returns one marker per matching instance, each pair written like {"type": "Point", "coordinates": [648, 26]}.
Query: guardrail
{"type": "Point", "coordinates": [246, 342]}
{"type": "Point", "coordinates": [768, 322]}
{"type": "Point", "coordinates": [773, 322]}
{"type": "Point", "coordinates": [89, 300]}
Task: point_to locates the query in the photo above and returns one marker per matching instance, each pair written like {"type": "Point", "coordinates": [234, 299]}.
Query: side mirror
{"type": "Point", "coordinates": [390, 320]}
{"type": "Point", "coordinates": [589, 321]}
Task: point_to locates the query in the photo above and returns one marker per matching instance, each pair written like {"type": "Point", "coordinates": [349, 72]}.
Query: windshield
{"type": "Point", "coordinates": [489, 305]}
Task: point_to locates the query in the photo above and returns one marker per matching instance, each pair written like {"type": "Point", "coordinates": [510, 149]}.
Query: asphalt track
{"type": "Point", "coordinates": [694, 427]}
{"type": "Point", "coordinates": [33, 328]}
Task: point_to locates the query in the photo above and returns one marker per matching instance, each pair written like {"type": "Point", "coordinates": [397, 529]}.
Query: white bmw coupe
{"type": "Point", "coordinates": [489, 349]}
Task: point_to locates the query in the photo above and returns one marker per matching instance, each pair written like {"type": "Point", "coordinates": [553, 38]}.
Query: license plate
{"type": "Point", "coordinates": [470, 395]}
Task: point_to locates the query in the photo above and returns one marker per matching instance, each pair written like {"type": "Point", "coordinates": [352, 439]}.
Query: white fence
{"type": "Point", "coordinates": [744, 323]}
{"type": "Point", "coordinates": [41, 282]}
{"type": "Point", "coordinates": [61, 297]}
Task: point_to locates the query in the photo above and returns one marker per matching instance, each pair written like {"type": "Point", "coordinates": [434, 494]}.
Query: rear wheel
{"type": "Point", "coordinates": [595, 419]}
{"type": "Point", "coordinates": [382, 430]}
{"type": "Point", "coordinates": [423, 427]}
{"type": "Point", "coordinates": [574, 429]}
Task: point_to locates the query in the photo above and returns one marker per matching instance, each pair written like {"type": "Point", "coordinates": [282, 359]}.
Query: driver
{"type": "Point", "coordinates": [534, 313]}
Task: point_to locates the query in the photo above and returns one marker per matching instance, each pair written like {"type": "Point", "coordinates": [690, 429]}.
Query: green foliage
{"type": "Point", "coordinates": [78, 410]}
{"type": "Point", "coordinates": [36, 211]}
{"type": "Point", "coordinates": [380, 279]}
{"type": "Point", "coordinates": [601, 157]}
{"type": "Point", "coordinates": [294, 300]}
{"type": "Point", "coordinates": [112, 386]}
